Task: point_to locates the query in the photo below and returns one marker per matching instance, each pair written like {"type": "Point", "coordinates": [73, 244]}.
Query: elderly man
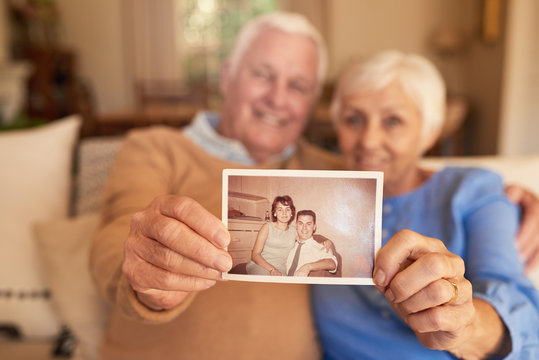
{"type": "Point", "coordinates": [308, 255]}
{"type": "Point", "coordinates": [161, 248]}
{"type": "Point", "coordinates": [154, 261]}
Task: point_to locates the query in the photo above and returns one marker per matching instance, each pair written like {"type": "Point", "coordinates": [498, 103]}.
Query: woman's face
{"type": "Point", "coordinates": [381, 131]}
{"type": "Point", "coordinates": [283, 213]}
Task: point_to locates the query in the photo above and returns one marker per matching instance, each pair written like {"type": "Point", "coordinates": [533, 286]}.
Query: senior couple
{"type": "Point", "coordinates": [449, 281]}
{"type": "Point", "coordinates": [282, 249]}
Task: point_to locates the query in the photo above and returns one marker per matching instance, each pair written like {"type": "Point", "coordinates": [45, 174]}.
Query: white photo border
{"type": "Point", "coordinates": [376, 175]}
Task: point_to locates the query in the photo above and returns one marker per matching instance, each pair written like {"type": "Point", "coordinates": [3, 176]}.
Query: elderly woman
{"type": "Point", "coordinates": [452, 281]}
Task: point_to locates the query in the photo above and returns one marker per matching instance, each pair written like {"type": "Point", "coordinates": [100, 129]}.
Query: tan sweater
{"type": "Point", "coordinates": [232, 320]}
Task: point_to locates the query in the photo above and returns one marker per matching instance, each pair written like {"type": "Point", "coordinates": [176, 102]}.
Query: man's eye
{"type": "Point", "coordinates": [355, 120]}
{"type": "Point", "coordinates": [299, 87]}
{"type": "Point", "coordinates": [262, 74]}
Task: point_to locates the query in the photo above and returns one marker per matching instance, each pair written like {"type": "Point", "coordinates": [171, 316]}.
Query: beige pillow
{"type": "Point", "coordinates": [35, 179]}
{"type": "Point", "coordinates": [65, 246]}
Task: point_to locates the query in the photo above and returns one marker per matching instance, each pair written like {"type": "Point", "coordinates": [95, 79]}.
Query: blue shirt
{"type": "Point", "coordinates": [467, 210]}
{"type": "Point", "coordinates": [202, 131]}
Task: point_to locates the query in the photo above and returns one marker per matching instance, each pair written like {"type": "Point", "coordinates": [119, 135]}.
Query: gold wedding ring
{"type": "Point", "coordinates": [455, 292]}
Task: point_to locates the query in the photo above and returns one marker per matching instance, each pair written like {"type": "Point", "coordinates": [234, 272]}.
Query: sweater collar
{"type": "Point", "coordinates": [203, 132]}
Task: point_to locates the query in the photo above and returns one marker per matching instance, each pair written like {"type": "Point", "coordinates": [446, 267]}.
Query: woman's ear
{"type": "Point", "coordinates": [429, 141]}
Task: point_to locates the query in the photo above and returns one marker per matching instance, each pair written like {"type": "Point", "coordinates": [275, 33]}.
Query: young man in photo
{"type": "Point", "coordinates": [307, 254]}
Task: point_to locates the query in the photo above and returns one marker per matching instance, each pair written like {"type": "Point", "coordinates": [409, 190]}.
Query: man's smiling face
{"type": "Point", "coordinates": [305, 227]}
{"type": "Point", "coordinates": [268, 98]}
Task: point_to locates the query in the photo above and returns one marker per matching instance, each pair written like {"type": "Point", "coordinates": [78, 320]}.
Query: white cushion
{"type": "Point", "coordinates": [65, 247]}
{"type": "Point", "coordinates": [35, 178]}
{"type": "Point", "coordinates": [518, 169]}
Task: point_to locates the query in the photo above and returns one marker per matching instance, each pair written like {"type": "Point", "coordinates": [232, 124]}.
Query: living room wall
{"type": "Point", "coordinates": [95, 31]}
{"type": "Point", "coordinates": [471, 66]}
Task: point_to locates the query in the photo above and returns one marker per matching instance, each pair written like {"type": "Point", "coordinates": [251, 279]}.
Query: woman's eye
{"type": "Point", "coordinates": [392, 121]}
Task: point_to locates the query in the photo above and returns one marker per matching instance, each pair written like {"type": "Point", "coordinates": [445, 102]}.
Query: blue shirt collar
{"type": "Point", "coordinates": [203, 132]}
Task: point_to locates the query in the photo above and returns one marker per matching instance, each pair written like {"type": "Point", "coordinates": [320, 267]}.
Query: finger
{"type": "Point", "coordinates": [161, 300]}
{"type": "Point", "coordinates": [529, 249]}
{"type": "Point", "coordinates": [163, 257]}
{"type": "Point", "coordinates": [144, 276]}
{"type": "Point", "coordinates": [403, 246]}
{"type": "Point", "coordinates": [527, 233]}
{"type": "Point", "coordinates": [196, 217]}
{"type": "Point", "coordinates": [182, 239]}
{"type": "Point", "coordinates": [442, 318]}
{"type": "Point", "coordinates": [532, 262]}
{"type": "Point", "coordinates": [438, 293]}
{"type": "Point", "coordinates": [514, 193]}
{"type": "Point", "coordinates": [425, 270]}
{"type": "Point", "coordinates": [530, 205]}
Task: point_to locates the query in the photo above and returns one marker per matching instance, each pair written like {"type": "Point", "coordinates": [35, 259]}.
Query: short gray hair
{"type": "Point", "coordinates": [418, 76]}
{"type": "Point", "coordinates": [287, 22]}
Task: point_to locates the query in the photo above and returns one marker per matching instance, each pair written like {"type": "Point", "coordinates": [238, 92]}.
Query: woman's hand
{"type": "Point", "coordinates": [275, 272]}
{"type": "Point", "coordinates": [425, 285]}
{"type": "Point", "coordinates": [328, 246]}
{"type": "Point", "coordinates": [528, 234]}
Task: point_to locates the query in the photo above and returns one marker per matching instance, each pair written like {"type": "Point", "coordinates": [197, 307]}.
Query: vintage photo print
{"type": "Point", "coordinates": [303, 226]}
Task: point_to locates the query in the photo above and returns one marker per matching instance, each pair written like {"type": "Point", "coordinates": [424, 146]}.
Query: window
{"type": "Point", "coordinates": [207, 29]}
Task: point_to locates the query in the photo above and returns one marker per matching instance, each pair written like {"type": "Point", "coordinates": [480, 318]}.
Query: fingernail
{"type": "Point", "coordinates": [222, 239]}
{"type": "Point", "coordinates": [390, 296]}
{"type": "Point", "coordinates": [379, 277]}
{"type": "Point", "coordinates": [223, 263]}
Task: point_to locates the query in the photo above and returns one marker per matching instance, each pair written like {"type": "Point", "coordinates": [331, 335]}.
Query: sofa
{"type": "Point", "coordinates": [50, 198]}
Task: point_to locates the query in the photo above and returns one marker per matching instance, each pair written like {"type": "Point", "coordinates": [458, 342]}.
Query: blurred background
{"type": "Point", "coordinates": [131, 63]}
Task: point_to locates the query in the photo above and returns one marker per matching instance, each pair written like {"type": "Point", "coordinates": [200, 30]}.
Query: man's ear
{"type": "Point", "coordinates": [314, 228]}
{"type": "Point", "coordinates": [224, 78]}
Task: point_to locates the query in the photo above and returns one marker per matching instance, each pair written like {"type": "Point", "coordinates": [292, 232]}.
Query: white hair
{"type": "Point", "coordinates": [291, 23]}
{"type": "Point", "coordinates": [418, 76]}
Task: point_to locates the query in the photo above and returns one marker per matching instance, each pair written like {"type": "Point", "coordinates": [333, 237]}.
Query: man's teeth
{"type": "Point", "coordinates": [273, 120]}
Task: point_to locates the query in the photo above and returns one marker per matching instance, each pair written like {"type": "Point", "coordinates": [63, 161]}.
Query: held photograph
{"type": "Point", "coordinates": [303, 226]}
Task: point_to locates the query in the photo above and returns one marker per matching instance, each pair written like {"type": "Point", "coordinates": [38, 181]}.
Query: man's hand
{"type": "Point", "coordinates": [425, 285]}
{"type": "Point", "coordinates": [528, 234]}
{"type": "Point", "coordinates": [303, 271]}
{"type": "Point", "coordinates": [323, 264]}
{"type": "Point", "coordinates": [174, 247]}
{"type": "Point", "coordinates": [275, 272]}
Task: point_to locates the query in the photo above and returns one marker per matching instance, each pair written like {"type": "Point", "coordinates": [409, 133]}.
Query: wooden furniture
{"type": "Point", "coordinates": [54, 89]}
{"type": "Point", "coordinates": [242, 239]}
{"type": "Point", "coordinates": [118, 123]}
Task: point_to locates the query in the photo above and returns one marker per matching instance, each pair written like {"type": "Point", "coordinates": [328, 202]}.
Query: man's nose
{"type": "Point", "coordinates": [277, 94]}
